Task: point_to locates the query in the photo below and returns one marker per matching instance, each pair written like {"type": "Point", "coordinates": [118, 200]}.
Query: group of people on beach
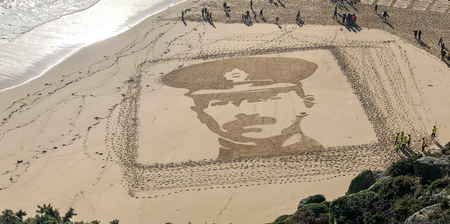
{"type": "Point", "coordinates": [206, 15]}
{"type": "Point", "coordinates": [402, 141]}
{"type": "Point", "coordinates": [349, 19]}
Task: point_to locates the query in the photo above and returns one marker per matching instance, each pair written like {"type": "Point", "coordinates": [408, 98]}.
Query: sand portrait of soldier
{"type": "Point", "coordinates": [255, 105]}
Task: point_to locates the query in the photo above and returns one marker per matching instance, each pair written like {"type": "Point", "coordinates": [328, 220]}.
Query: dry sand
{"type": "Point", "coordinates": [102, 133]}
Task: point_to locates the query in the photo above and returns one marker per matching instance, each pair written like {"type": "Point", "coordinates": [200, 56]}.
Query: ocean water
{"type": "Point", "coordinates": [38, 34]}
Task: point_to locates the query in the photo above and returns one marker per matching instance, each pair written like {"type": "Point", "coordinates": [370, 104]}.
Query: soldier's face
{"type": "Point", "coordinates": [242, 117]}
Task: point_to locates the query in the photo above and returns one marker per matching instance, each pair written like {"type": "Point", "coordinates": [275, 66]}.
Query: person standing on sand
{"type": "Point", "coordinates": [415, 34]}
{"type": "Point", "coordinates": [210, 16]}
{"type": "Point", "coordinates": [442, 55]}
{"type": "Point", "coordinates": [182, 15]}
{"type": "Point", "coordinates": [376, 8]}
{"type": "Point", "coordinates": [248, 14]}
{"type": "Point", "coordinates": [261, 14]}
{"type": "Point", "coordinates": [397, 136]}
{"type": "Point", "coordinates": [409, 140]}
{"type": "Point", "coordinates": [442, 47]}
{"type": "Point", "coordinates": [335, 13]}
{"type": "Point", "coordinates": [277, 19]}
{"type": "Point", "coordinates": [397, 146]}
{"type": "Point", "coordinates": [433, 134]}
{"type": "Point", "coordinates": [203, 12]}
{"type": "Point", "coordinates": [251, 4]}
{"type": "Point", "coordinates": [404, 143]}
{"type": "Point", "coordinates": [440, 41]}
{"type": "Point", "coordinates": [420, 34]}
{"type": "Point", "coordinates": [424, 144]}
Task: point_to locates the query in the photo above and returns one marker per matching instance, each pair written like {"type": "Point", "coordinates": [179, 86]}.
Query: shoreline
{"type": "Point", "coordinates": [70, 127]}
{"type": "Point", "coordinates": [67, 46]}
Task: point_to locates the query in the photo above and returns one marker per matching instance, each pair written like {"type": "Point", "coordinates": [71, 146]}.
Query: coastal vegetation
{"type": "Point", "coordinates": [412, 190]}
{"type": "Point", "coordinates": [46, 214]}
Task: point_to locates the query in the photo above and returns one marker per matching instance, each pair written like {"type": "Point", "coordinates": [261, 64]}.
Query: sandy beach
{"type": "Point", "coordinates": [225, 122]}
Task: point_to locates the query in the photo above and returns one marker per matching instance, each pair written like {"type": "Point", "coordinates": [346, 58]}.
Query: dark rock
{"type": "Point", "coordinates": [381, 180]}
{"type": "Point", "coordinates": [377, 174]}
{"type": "Point", "coordinates": [318, 198]}
{"type": "Point", "coordinates": [361, 182]}
{"type": "Point", "coordinates": [420, 217]}
{"type": "Point", "coordinates": [437, 198]}
{"type": "Point", "coordinates": [430, 168]}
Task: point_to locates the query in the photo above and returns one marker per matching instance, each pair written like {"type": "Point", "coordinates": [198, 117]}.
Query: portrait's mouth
{"type": "Point", "coordinates": [244, 123]}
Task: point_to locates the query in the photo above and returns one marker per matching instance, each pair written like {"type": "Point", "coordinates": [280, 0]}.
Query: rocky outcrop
{"type": "Point", "coordinates": [361, 182]}
{"type": "Point", "coordinates": [437, 198]}
{"type": "Point", "coordinates": [430, 168]}
{"type": "Point", "coordinates": [420, 217]}
{"type": "Point", "coordinates": [377, 174]}
{"type": "Point", "coordinates": [318, 198]}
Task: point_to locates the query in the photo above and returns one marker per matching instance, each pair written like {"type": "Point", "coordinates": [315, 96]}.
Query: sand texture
{"type": "Point", "coordinates": [219, 122]}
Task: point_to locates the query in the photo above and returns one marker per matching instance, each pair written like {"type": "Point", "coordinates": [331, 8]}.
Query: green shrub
{"type": "Point", "coordinates": [405, 206]}
{"type": "Point", "coordinates": [439, 184]}
{"type": "Point", "coordinates": [313, 209]}
{"type": "Point", "coordinates": [404, 166]}
{"type": "Point", "coordinates": [351, 208]}
{"type": "Point", "coordinates": [444, 204]}
{"type": "Point", "coordinates": [397, 187]}
{"type": "Point", "coordinates": [318, 198]}
{"type": "Point", "coordinates": [438, 217]}
{"type": "Point", "coordinates": [45, 215]}
{"type": "Point", "coordinates": [281, 219]}
{"type": "Point", "coordinates": [370, 218]}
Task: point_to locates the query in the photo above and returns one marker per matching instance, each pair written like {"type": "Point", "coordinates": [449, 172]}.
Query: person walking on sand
{"type": "Point", "coordinates": [376, 8]}
{"type": "Point", "coordinates": [424, 144]}
{"type": "Point", "coordinates": [182, 15]}
{"type": "Point", "coordinates": [397, 136]}
{"type": "Point", "coordinates": [420, 34]}
{"type": "Point", "coordinates": [433, 134]}
{"type": "Point", "coordinates": [277, 19]}
{"type": "Point", "coordinates": [251, 4]}
{"type": "Point", "coordinates": [415, 34]}
{"type": "Point", "coordinates": [261, 14]}
{"type": "Point", "coordinates": [343, 18]}
{"type": "Point", "coordinates": [440, 41]}
{"type": "Point", "coordinates": [442, 47]}
{"type": "Point", "coordinates": [203, 12]}
{"type": "Point", "coordinates": [442, 55]}
{"type": "Point", "coordinates": [248, 14]}
{"type": "Point", "coordinates": [298, 16]}
{"type": "Point", "coordinates": [409, 140]}
{"type": "Point", "coordinates": [335, 13]}
{"type": "Point", "coordinates": [335, 6]}
{"type": "Point", "coordinates": [210, 16]}
{"type": "Point", "coordinates": [397, 146]}
{"type": "Point", "coordinates": [401, 137]}
{"type": "Point", "coordinates": [404, 143]}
